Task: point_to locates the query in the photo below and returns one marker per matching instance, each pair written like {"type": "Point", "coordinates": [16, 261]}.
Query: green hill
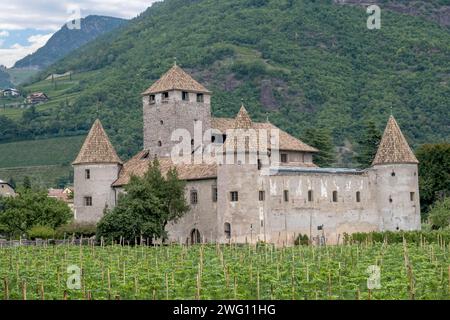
{"type": "Point", "coordinates": [47, 162]}
{"type": "Point", "coordinates": [304, 63]}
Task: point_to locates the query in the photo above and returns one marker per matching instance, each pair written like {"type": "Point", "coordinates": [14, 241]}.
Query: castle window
{"type": "Point", "coordinates": [286, 195]}
{"type": "Point", "coordinates": [390, 199]}
{"type": "Point", "coordinates": [259, 164]}
{"type": "Point", "coordinates": [335, 196]}
{"type": "Point", "coordinates": [159, 144]}
{"type": "Point", "coordinates": [214, 194]}
{"type": "Point", "coordinates": [234, 195]}
{"type": "Point", "coordinates": [227, 228]}
{"type": "Point", "coordinates": [194, 197]}
{"type": "Point", "coordinates": [310, 196]}
{"type": "Point", "coordinates": [262, 195]}
{"type": "Point", "coordinates": [200, 97]}
{"type": "Point", "coordinates": [165, 96]}
{"type": "Point", "coordinates": [412, 196]}
{"type": "Point", "coordinates": [192, 142]}
{"type": "Point", "coordinates": [88, 201]}
{"type": "Point", "coordinates": [358, 196]}
{"type": "Point", "coordinates": [284, 158]}
{"type": "Point", "coordinates": [393, 174]}
{"type": "Point", "coordinates": [185, 96]}
{"type": "Point", "coordinates": [152, 99]}
{"type": "Point", "coordinates": [87, 174]}
{"type": "Point", "coordinates": [161, 122]}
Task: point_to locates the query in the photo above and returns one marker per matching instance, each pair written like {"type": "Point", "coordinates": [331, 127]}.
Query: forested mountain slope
{"type": "Point", "coordinates": [303, 63]}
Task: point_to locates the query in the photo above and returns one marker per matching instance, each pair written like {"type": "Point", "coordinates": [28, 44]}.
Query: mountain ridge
{"type": "Point", "coordinates": [66, 40]}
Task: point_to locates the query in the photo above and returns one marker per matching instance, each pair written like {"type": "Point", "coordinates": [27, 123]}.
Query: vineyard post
{"type": "Point", "coordinates": [5, 281]}
{"type": "Point", "coordinates": [257, 285]}
{"type": "Point", "coordinates": [24, 290]}
{"type": "Point", "coordinates": [42, 290]}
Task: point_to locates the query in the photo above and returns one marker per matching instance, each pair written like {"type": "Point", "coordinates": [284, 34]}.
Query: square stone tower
{"type": "Point", "coordinates": [174, 104]}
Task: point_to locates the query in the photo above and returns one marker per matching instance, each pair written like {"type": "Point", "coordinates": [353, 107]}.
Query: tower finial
{"type": "Point", "coordinates": [174, 61]}
{"type": "Point", "coordinates": [392, 110]}
{"type": "Point", "coordinates": [267, 117]}
{"type": "Point", "coordinates": [242, 102]}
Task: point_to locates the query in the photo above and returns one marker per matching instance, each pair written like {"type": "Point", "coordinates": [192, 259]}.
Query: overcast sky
{"type": "Point", "coordinates": [26, 25]}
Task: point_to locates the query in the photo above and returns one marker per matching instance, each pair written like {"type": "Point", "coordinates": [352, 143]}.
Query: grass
{"type": "Point", "coordinates": [55, 151]}
{"type": "Point", "coordinates": [40, 176]}
{"type": "Point", "coordinates": [45, 162]}
{"type": "Point", "coordinates": [225, 272]}
{"type": "Point", "coordinates": [61, 91]}
{"type": "Point", "coordinates": [19, 76]}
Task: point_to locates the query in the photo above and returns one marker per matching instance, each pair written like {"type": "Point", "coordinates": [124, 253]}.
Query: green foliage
{"type": "Point", "coordinates": [440, 213]}
{"type": "Point", "coordinates": [302, 240]}
{"type": "Point", "coordinates": [326, 69]}
{"type": "Point", "coordinates": [31, 208]}
{"type": "Point", "coordinates": [368, 142]}
{"type": "Point", "coordinates": [434, 173]}
{"type": "Point", "coordinates": [149, 204]}
{"type": "Point", "coordinates": [227, 272]}
{"type": "Point", "coordinates": [41, 232]}
{"type": "Point", "coordinates": [76, 229]}
{"type": "Point", "coordinates": [416, 237]}
{"type": "Point", "coordinates": [321, 139]}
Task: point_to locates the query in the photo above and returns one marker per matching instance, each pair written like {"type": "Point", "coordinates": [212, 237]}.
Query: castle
{"type": "Point", "coordinates": [261, 184]}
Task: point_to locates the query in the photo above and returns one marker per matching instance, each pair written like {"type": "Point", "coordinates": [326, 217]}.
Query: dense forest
{"type": "Point", "coordinates": [304, 64]}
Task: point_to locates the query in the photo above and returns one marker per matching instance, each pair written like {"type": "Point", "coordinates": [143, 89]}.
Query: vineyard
{"type": "Point", "coordinates": [408, 271]}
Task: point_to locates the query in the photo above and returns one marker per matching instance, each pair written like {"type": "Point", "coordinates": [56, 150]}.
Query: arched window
{"type": "Point", "coordinates": [227, 228]}
{"type": "Point", "coordinates": [194, 197]}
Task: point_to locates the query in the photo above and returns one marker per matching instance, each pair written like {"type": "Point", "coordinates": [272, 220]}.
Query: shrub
{"type": "Point", "coordinates": [41, 232]}
{"type": "Point", "coordinates": [77, 229]}
{"type": "Point", "coordinates": [440, 214]}
{"type": "Point", "coordinates": [397, 237]}
{"type": "Point", "coordinates": [301, 240]}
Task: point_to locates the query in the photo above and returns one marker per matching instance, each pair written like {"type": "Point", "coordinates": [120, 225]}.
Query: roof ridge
{"type": "Point", "coordinates": [97, 147]}
{"type": "Point", "coordinates": [393, 146]}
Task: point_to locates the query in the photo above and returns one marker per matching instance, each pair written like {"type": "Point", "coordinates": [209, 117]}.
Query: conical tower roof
{"type": "Point", "coordinates": [176, 79]}
{"type": "Point", "coordinates": [243, 120]}
{"type": "Point", "coordinates": [97, 148]}
{"type": "Point", "coordinates": [393, 146]}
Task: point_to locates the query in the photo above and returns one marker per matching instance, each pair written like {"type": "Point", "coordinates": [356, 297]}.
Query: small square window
{"type": "Point", "coordinates": [194, 197]}
{"type": "Point", "coordinates": [165, 96]}
{"type": "Point", "coordinates": [284, 158]}
{"type": "Point", "coordinates": [88, 201]}
{"type": "Point", "coordinates": [200, 97]}
{"type": "Point", "coordinates": [286, 195]}
{"type": "Point", "coordinates": [87, 174]}
{"type": "Point", "coordinates": [185, 96]}
{"type": "Point", "coordinates": [152, 99]}
{"type": "Point", "coordinates": [234, 196]}
{"type": "Point", "coordinates": [262, 195]}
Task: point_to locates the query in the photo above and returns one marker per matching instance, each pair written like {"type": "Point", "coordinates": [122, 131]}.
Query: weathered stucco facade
{"type": "Point", "coordinates": [246, 201]}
